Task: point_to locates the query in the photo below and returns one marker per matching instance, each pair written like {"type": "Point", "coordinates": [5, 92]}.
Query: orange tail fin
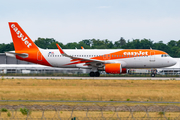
{"type": "Point", "coordinates": [20, 39]}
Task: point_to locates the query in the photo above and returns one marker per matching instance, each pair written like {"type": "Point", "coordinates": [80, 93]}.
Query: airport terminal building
{"type": "Point", "coordinates": [13, 65]}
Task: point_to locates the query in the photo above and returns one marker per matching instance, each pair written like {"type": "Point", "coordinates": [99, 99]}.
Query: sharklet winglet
{"type": "Point", "coordinates": [61, 51]}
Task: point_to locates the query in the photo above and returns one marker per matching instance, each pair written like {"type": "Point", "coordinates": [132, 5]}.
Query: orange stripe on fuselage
{"type": "Point", "coordinates": [126, 53]}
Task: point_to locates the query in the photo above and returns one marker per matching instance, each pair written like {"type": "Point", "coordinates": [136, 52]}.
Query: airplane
{"type": "Point", "coordinates": [113, 61]}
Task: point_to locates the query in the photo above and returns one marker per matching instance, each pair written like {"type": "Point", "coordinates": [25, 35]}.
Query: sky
{"type": "Point", "coordinates": [75, 20]}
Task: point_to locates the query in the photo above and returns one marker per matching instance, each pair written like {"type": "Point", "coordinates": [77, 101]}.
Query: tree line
{"type": "Point", "coordinates": [172, 47]}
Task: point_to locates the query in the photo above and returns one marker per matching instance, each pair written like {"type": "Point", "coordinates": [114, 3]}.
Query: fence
{"type": "Point", "coordinates": [90, 112]}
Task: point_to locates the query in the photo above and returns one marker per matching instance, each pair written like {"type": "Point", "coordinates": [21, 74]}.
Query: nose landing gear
{"type": "Point", "coordinates": [94, 74]}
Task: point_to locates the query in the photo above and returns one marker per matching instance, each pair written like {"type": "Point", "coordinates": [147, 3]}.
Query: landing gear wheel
{"type": "Point", "coordinates": [152, 74]}
{"type": "Point", "coordinates": [97, 74]}
{"type": "Point", "coordinates": [91, 74]}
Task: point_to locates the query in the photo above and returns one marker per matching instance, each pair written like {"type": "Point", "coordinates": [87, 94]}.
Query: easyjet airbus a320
{"type": "Point", "coordinates": [114, 61]}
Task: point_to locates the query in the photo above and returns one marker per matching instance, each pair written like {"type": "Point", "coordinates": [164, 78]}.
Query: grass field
{"type": "Point", "coordinates": [90, 90]}
{"type": "Point", "coordinates": [91, 114]}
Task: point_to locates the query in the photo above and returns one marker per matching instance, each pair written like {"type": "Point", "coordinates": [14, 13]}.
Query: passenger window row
{"type": "Point", "coordinates": [100, 56]}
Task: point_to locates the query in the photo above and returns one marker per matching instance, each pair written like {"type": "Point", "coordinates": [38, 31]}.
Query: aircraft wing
{"type": "Point", "coordinates": [93, 62]}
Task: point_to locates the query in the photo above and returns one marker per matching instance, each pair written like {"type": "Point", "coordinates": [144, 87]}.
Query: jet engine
{"type": "Point", "coordinates": [114, 68]}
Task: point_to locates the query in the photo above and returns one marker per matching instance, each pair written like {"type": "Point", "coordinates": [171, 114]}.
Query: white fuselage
{"type": "Point", "coordinates": [55, 58]}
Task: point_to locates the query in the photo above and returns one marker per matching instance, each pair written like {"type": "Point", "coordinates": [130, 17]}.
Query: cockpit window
{"type": "Point", "coordinates": [165, 55]}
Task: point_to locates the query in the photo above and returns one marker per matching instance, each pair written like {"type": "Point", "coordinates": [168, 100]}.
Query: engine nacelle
{"type": "Point", "coordinates": [113, 68]}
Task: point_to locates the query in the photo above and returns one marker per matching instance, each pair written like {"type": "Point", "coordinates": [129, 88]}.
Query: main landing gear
{"type": "Point", "coordinates": [153, 74]}
{"type": "Point", "coordinates": [94, 74]}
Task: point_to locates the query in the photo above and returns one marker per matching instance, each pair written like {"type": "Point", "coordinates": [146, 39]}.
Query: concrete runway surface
{"type": "Point", "coordinates": [95, 78]}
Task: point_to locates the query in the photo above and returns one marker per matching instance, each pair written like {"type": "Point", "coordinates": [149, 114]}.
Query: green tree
{"type": "Point", "coordinates": [49, 43]}
{"type": "Point", "coordinates": [120, 43]}
{"type": "Point", "coordinates": [146, 44]}
{"type": "Point", "coordinates": [6, 47]}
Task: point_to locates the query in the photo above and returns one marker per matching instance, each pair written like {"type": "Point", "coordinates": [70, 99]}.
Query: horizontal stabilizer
{"type": "Point", "coordinates": [13, 54]}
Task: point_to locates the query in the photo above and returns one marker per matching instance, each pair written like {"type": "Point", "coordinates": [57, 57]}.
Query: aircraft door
{"type": "Point", "coordinates": [39, 56]}
{"type": "Point", "coordinates": [152, 57]}
{"type": "Point", "coordinates": [106, 56]}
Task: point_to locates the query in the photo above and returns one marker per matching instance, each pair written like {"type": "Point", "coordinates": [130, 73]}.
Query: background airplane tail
{"type": "Point", "coordinates": [20, 39]}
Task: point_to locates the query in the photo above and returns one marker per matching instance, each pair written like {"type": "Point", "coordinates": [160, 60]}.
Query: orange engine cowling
{"type": "Point", "coordinates": [113, 68]}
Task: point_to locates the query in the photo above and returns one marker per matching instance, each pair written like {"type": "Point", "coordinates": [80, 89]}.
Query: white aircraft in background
{"type": "Point", "coordinates": [113, 61]}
